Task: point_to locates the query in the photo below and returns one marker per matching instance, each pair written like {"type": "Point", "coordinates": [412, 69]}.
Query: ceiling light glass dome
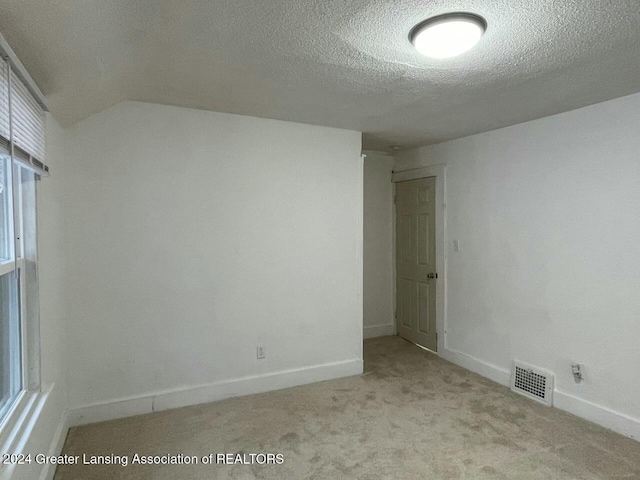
{"type": "Point", "coordinates": [448, 35]}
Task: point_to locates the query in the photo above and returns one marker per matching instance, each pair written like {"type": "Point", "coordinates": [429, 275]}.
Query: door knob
{"type": "Point", "coordinates": [432, 275]}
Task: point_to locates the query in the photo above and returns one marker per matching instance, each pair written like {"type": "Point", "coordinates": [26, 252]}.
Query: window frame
{"type": "Point", "coordinates": [10, 269]}
{"type": "Point", "coordinates": [24, 164]}
{"type": "Point", "coordinates": [19, 411]}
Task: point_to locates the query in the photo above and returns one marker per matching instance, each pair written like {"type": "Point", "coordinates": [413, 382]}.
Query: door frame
{"type": "Point", "coordinates": [438, 171]}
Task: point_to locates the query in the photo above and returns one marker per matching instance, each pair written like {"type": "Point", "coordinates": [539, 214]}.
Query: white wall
{"type": "Point", "coordinates": [548, 271]}
{"type": "Point", "coordinates": [195, 236]}
{"type": "Point", "coordinates": [378, 246]}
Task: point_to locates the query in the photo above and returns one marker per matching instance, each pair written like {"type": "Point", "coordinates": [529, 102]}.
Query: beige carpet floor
{"type": "Point", "coordinates": [410, 415]}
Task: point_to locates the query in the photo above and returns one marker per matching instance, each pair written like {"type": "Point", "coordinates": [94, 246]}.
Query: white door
{"type": "Point", "coordinates": [416, 276]}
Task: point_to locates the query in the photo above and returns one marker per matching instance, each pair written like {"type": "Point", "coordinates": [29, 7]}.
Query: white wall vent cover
{"type": "Point", "coordinates": [532, 382]}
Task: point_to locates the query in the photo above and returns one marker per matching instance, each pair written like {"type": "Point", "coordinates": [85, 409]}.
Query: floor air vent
{"type": "Point", "coordinates": [532, 382]}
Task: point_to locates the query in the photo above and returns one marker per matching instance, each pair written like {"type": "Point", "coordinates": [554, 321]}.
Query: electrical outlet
{"type": "Point", "coordinates": [261, 352]}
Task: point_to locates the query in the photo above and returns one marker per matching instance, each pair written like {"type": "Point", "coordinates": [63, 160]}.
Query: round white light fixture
{"type": "Point", "coordinates": [447, 35]}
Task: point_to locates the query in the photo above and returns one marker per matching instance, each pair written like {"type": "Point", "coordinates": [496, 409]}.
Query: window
{"type": "Point", "coordinates": [22, 152]}
{"type": "Point", "coordinates": [10, 371]}
{"type": "Point", "coordinates": [18, 282]}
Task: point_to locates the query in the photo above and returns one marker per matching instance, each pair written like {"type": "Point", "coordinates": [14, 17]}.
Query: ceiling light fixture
{"type": "Point", "coordinates": [447, 35]}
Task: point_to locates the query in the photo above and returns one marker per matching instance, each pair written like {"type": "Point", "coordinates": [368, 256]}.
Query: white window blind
{"type": "Point", "coordinates": [27, 124]}
{"type": "Point", "coordinates": [22, 117]}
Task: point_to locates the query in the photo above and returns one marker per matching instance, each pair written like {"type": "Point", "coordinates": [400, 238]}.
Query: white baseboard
{"type": "Point", "coordinates": [603, 416]}
{"type": "Point", "coordinates": [378, 331]}
{"type": "Point", "coordinates": [598, 414]}
{"type": "Point", "coordinates": [101, 412]}
{"type": "Point", "coordinates": [488, 370]}
{"type": "Point", "coordinates": [165, 400]}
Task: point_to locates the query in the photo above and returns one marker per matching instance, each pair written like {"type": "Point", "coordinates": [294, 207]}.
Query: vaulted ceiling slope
{"type": "Point", "coordinates": [339, 63]}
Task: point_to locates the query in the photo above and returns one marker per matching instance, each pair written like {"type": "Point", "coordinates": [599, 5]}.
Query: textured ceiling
{"type": "Point", "coordinates": [340, 63]}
